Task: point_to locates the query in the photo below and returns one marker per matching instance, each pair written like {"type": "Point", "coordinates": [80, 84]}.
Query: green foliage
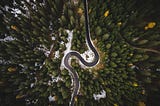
{"type": "Point", "coordinates": [131, 61]}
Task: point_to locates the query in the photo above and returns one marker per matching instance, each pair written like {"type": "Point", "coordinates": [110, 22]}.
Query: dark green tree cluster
{"type": "Point", "coordinates": [125, 32]}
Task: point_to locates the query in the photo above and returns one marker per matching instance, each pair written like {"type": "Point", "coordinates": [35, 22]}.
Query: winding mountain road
{"type": "Point", "coordinates": [73, 73]}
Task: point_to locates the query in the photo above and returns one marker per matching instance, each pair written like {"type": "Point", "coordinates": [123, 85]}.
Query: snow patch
{"type": "Point", "coordinates": [53, 38]}
{"type": "Point", "coordinates": [56, 54]}
{"type": "Point", "coordinates": [6, 8]}
{"type": "Point", "coordinates": [32, 85]}
{"type": "Point", "coordinates": [56, 79]}
{"type": "Point", "coordinates": [99, 96]}
{"type": "Point", "coordinates": [88, 56]}
{"type": "Point", "coordinates": [158, 69]}
{"type": "Point", "coordinates": [36, 64]}
{"type": "Point", "coordinates": [51, 98]}
{"type": "Point", "coordinates": [42, 64]}
{"type": "Point", "coordinates": [28, 102]}
{"type": "Point", "coordinates": [44, 49]}
{"type": "Point", "coordinates": [53, 79]}
{"type": "Point", "coordinates": [133, 67]}
{"type": "Point", "coordinates": [16, 11]}
{"type": "Point", "coordinates": [7, 39]}
{"type": "Point", "coordinates": [62, 43]}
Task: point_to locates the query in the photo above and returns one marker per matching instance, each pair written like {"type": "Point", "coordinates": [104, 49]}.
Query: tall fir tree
{"type": "Point", "coordinates": [126, 34]}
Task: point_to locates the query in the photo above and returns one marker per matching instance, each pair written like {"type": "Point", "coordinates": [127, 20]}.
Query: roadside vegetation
{"type": "Point", "coordinates": [126, 35]}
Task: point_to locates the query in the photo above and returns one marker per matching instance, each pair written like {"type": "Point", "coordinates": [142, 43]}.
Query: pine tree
{"type": "Point", "coordinates": [125, 32]}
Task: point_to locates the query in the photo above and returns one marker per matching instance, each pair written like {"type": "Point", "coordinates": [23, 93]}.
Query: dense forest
{"type": "Point", "coordinates": [33, 38]}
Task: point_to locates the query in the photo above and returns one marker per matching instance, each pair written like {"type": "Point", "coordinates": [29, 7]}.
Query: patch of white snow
{"type": "Point", "coordinates": [56, 79]}
{"type": "Point", "coordinates": [32, 85]}
{"type": "Point", "coordinates": [88, 56]}
{"type": "Point", "coordinates": [99, 96]}
{"type": "Point", "coordinates": [53, 38]}
{"type": "Point", "coordinates": [7, 39]}
{"type": "Point", "coordinates": [44, 49]}
{"type": "Point", "coordinates": [51, 98]}
{"type": "Point", "coordinates": [56, 54]}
